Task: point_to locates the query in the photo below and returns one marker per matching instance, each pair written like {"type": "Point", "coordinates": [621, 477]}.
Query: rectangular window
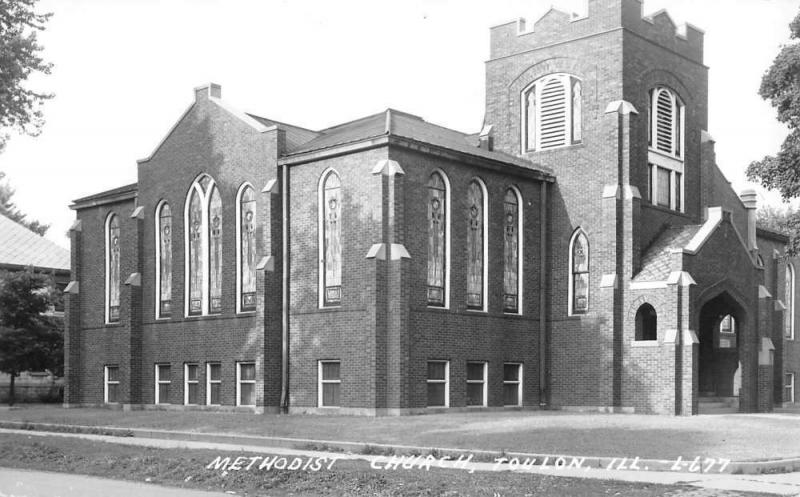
{"type": "Point", "coordinates": [788, 387]}
{"type": "Point", "coordinates": [650, 182]}
{"type": "Point", "coordinates": [111, 394]}
{"type": "Point", "coordinates": [476, 384]}
{"type": "Point", "coordinates": [213, 383]}
{"type": "Point", "coordinates": [663, 195]}
{"type": "Point", "coordinates": [163, 380]}
{"type": "Point", "coordinates": [438, 383]}
{"type": "Point", "coordinates": [330, 384]}
{"type": "Point", "coordinates": [191, 386]}
{"type": "Point", "coordinates": [512, 384]}
{"type": "Point", "coordinates": [246, 384]}
{"type": "Point", "coordinates": [678, 189]}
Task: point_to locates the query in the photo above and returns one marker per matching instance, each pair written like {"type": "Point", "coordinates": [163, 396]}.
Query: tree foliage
{"type": "Point", "coordinates": [20, 106]}
{"type": "Point", "coordinates": [780, 85]}
{"type": "Point", "coordinates": [31, 339]}
{"type": "Point", "coordinates": [9, 209]}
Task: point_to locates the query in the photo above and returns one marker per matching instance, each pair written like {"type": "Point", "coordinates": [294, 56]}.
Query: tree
{"type": "Point", "coordinates": [781, 86]}
{"type": "Point", "coordinates": [8, 209]}
{"type": "Point", "coordinates": [30, 340]}
{"type": "Point", "coordinates": [20, 106]}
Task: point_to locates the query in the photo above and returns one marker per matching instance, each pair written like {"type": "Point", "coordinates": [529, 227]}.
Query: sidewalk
{"type": "Point", "coordinates": [778, 484]}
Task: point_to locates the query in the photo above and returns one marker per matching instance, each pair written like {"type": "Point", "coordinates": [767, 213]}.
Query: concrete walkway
{"type": "Point", "coordinates": [25, 483]}
{"type": "Point", "coordinates": [777, 484]}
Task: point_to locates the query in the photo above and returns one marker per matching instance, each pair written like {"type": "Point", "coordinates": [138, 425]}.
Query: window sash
{"type": "Point", "coordinates": [246, 384]}
{"type": "Point", "coordinates": [163, 381]}
{"type": "Point", "coordinates": [191, 384]}
{"type": "Point", "coordinates": [213, 383]}
{"type": "Point", "coordinates": [788, 387]}
{"type": "Point", "coordinates": [438, 384]}
{"type": "Point", "coordinates": [111, 384]}
{"type": "Point", "coordinates": [330, 384]}
{"type": "Point", "coordinates": [476, 384]}
{"type": "Point", "coordinates": [512, 384]}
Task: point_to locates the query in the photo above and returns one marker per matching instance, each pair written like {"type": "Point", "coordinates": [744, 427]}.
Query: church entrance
{"type": "Point", "coordinates": [719, 365]}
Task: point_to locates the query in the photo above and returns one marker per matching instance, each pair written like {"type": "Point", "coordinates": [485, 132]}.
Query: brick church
{"type": "Point", "coordinates": [582, 251]}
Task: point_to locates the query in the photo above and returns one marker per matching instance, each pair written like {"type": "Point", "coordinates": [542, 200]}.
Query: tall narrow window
{"type": "Point", "coordinates": [196, 253]}
{"type": "Point", "coordinates": [112, 269]}
{"type": "Point", "coordinates": [512, 384]}
{"type": "Point", "coordinates": [552, 111]}
{"type": "Point", "coordinates": [164, 260]}
{"type": "Point", "coordinates": [512, 222]}
{"type": "Point", "coordinates": [247, 249]}
{"type": "Point", "coordinates": [215, 251]}
{"type": "Point", "coordinates": [476, 245]}
{"type": "Point", "coordinates": [788, 387]}
{"type": "Point", "coordinates": [213, 383]}
{"type": "Point", "coordinates": [789, 295]}
{"type": "Point", "coordinates": [111, 394]}
{"type": "Point", "coordinates": [665, 157]}
{"type": "Point", "coordinates": [579, 273]}
{"type": "Point", "coordinates": [190, 384]}
{"type": "Point", "coordinates": [246, 384]}
{"type": "Point", "coordinates": [332, 239]}
{"type": "Point", "coordinates": [438, 212]}
{"type": "Point", "coordinates": [163, 381]}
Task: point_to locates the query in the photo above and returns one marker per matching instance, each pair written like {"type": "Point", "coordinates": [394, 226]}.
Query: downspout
{"type": "Point", "coordinates": [285, 290]}
{"type": "Point", "coordinates": [543, 387]}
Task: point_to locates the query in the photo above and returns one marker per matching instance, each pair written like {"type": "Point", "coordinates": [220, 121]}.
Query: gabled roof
{"type": "Point", "coordinates": [657, 259]}
{"type": "Point", "coordinates": [295, 135]}
{"type": "Point", "coordinates": [23, 247]}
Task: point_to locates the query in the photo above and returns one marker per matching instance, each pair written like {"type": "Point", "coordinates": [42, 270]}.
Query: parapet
{"type": "Point", "coordinates": [557, 26]}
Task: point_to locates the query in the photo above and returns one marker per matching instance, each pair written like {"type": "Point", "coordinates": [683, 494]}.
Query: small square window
{"type": "Point", "coordinates": [246, 384]}
{"type": "Point", "coordinates": [111, 384]}
{"type": "Point", "coordinates": [213, 383]}
{"type": "Point", "coordinates": [476, 384]}
{"type": "Point", "coordinates": [330, 384]}
{"type": "Point", "coordinates": [191, 386]}
{"type": "Point", "coordinates": [163, 381]}
{"type": "Point", "coordinates": [438, 383]}
{"type": "Point", "coordinates": [512, 384]}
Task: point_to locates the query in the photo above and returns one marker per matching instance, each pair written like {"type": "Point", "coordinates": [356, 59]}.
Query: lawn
{"type": "Point", "coordinates": [737, 437]}
{"type": "Point", "coordinates": [189, 469]}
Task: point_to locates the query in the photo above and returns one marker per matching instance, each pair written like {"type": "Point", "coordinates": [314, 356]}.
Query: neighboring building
{"type": "Point", "coordinates": [582, 251]}
{"type": "Point", "coordinates": [22, 249]}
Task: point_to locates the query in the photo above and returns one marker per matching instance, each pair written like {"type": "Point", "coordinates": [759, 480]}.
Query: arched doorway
{"type": "Point", "coordinates": [720, 334]}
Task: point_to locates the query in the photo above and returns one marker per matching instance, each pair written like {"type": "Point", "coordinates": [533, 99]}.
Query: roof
{"type": "Point", "coordinates": [295, 135]}
{"type": "Point", "coordinates": [23, 247]}
{"type": "Point", "coordinates": [108, 195]}
{"type": "Point", "coordinates": [772, 234]}
{"type": "Point", "coordinates": [657, 259]}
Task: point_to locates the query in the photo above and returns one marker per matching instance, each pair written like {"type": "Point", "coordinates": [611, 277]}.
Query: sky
{"type": "Point", "coordinates": [124, 72]}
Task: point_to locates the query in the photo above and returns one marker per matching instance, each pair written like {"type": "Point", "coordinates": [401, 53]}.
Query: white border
{"type": "Point", "coordinates": [321, 235]}
{"type": "Point", "coordinates": [570, 282]}
{"type": "Point", "coordinates": [484, 382]}
{"type": "Point", "coordinates": [209, 382]}
{"type": "Point", "coordinates": [791, 384]}
{"type": "Point", "coordinates": [447, 224]}
{"type": "Point", "coordinates": [239, 194]}
{"type": "Point", "coordinates": [157, 232]}
{"type": "Point", "coordinates": [159, 381]}
{"type": "Point", "coordinates": [204, 244]}
{"type": "Point", "coordinates": [518, 383]}
{"type": "Point", "coordinates": [186, 382]}
{"type": "Point", "coordinates": [321, 382]}
{"type": "Point", "coordinates": [107, 231]}
{"type": "Point", "coordinates": [239, 382]}
{"type": "Point", "coordinates": [566, 80]}
{"type": "Point", "coordinates": [106, 383]}
{"type": "Point", "coordinates": [790, 272]}
{"type": "Point", "coordinates": [446, 382]}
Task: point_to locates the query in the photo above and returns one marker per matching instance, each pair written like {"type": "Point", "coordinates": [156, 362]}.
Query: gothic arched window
{"type": "Point", "coordinates": [331, 214]}
{"type": "Point", "coordinates": [438, 239]}
{"type": "Point", "coordinates": [789, 295]}
{"type": "Point", "coordinates": [552, 113]}
{"type": "Point", "coordinates": [112, 268]}
{"type": "Point", "coordinates": [512, 251]}
{"type": "Point", "coordinates": [246, 275]}
{"type": "Point", "coordinates": [215, 251]}
{"type": "Point", "coordinates": [665, 162]}
{"type": "Point", "coordinates": [646, 323]}
{"type": "Point", "coordinates": [163, 260]}
{"type": "Point", "coordinates": [579, 273]}
{"type": "Point", "coordinates": [203, 214]}
{"type": "Point", "coordinates": [476, 245]}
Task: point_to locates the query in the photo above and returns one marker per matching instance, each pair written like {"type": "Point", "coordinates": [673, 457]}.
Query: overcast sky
{"type": "Point", "coordinates": [125, 69]}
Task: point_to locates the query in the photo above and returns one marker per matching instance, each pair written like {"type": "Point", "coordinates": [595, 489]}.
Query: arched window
{"type": "Point", "coordinates": [646, 323]}
{"type": "Point", "coordinates": [246, 253]}
{"type": "Point", "coordinates": [727, 333]}
{"type": "Point", "coordinates": [163, 234]}
{"type": "Point", "coordinates": [552, 113]}
{"type": "Point", "coordinates": [665, 158]}
{"type": "Point", "coordinates": [203, 215]}
{"type": "Point", "coordinates": [112, 268]}
{"type": "Point", "coordinates": [789, 295]}
{"type": "Point", "coordinates": [438, 239]}
{"type": "Point", "coordinates": [476, 245]}
{"type": "Point", "coordinates": [331, 257]}
{"type": "Point", "coordinates": [512, 251]}
{"type": "Point", "coordinates": [579, 273]}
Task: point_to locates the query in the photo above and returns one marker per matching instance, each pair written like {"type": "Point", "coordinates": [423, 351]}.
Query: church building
{"type": "Point", "coordinates": [581, 251]}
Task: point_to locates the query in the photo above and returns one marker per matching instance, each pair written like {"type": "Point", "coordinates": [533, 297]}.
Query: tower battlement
{"type": "Point", "coordinates": [557, 26]}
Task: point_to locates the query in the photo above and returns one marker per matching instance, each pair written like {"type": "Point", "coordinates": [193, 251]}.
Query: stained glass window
{"type": "Point", "coordinates": [196, 269]}
{"type": "Point", "coordinates": [475, 239]}
{"type": "Point", "coordinates": [437, 219]}
{"type": "Point", "coordinates": [215, 251]}
{"type": "Point", "coordinates": [580, 273]}
{"type": "Point", "coordinates": [511, 256]}
{"type": "Point", "coordinates": [789, 297]}
{"type": "Point", "coordinates": [332, 226]}
{"type": "Point", "coordinates": [247, 251]}
{"type": "Point", "coordinates": [164, 260]}
{"type": "Point", "coordinates": [112, 243]}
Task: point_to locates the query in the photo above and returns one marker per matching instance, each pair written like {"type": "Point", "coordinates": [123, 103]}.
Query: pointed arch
{"type": "Point", "coordinates": [789, 293]}
{"type": "Point", "coordinates": [163, 272]}
{"type": "Point", "coordinates": [579, 263]}
{"type": "Point", "coordinates": [438, 220]}
{"type": "Point", "coordinates": [202, 258]}
{"type": "Point", "coordinates": [246, 248]}
{"type": "Point", "coordinates": [552, 111]}
{"type": "Point", "coordinates": [477, 245]}
{"type": "Point", "coordinates": [512, 251]}
{"type": "Point", "coordinates": [112, 267]}
{"type": "Point", "coordinates": [330, 238]}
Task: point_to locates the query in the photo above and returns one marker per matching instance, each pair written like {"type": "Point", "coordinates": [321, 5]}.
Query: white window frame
{"type": "Point", "coordinates": [788, 332]}
{"type": "Point", "coordinates": [321, 382]}
{"type": "Point", "coordinates": [107, 382]}
{"type": "Point", "coordinates": [240, 381]}
{"type": "Point", "coordinates": [210, 382]}
{"type": "Point", "coordinates": [789, 386]}
{"type": "Point", "coordinates": [187, 382]}
{"type": "Point", "coordinates": [159, 381]}
{"type": "Point", "coordinates": [446, 382]}
{"type": "Point", "coordinates": [571, 282]}
{"type": "Point", "coordinates": [566, 80]}
{"type": "Point", "coordinates": [483, 381]}
{"type": "Point", "coordinates": [239, 193]}
{"type": "Point", "coordinates": [107, 235]}
{"type": "Point", "coordinates": [205, 257]}
{"type": "Point", "coordinates": [447, 214]}
{"type": "Point", "coordinates": [520, 251]}
{"type": "Point", "coordinates": [670, 161]}
{"type": "Point", "coordinates": [157, 230]}
{"type": "Point", "coordinates": [485, 248]}
{"type": "Point", "coordinates": [518, 383]}
{"type": "Point", "coordinates": [321, 236]}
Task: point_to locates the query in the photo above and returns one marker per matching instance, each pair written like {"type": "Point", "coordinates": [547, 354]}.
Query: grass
{"type": "Point", "coordinates": [187, 469]}
{"type": "Point", "coordinates": [736, 437]}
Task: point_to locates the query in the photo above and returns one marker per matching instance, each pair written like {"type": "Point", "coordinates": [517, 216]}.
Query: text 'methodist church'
{"type": "Point", "coordinates": [582, 251]}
